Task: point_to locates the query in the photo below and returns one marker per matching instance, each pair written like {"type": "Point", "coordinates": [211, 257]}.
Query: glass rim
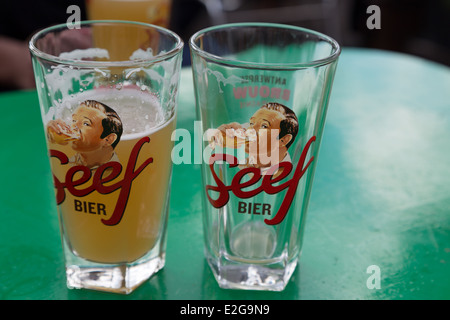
{"type": "Point", "coordinates": [178, 46]}
{"type": "Point", "coordinates": [263, 65]}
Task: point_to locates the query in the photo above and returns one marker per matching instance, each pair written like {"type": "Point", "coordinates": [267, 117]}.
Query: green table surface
{"type": "Point", "coordinates": [381, 196]}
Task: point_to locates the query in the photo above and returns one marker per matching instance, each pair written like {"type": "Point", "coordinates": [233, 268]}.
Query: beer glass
{"type": "Point", "coordinates": [108, 99]}
{"type": "Point", "coordinates": [148, 11]}
{"type": "Point", "coordinates": [261, 92]}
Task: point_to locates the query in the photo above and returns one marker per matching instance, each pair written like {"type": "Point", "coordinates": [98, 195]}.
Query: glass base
{"type": "Point", "coordinates": [269, 276]}
{"type": "Point", "coordinates": [121, 278]}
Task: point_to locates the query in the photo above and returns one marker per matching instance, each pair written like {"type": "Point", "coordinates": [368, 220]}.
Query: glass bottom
{"type": "Point", "coordinates": [120, 278]}
{"type": "Point", "coordinates": [232, 274]}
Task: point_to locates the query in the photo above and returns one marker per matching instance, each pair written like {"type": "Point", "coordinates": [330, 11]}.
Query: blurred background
{"type": "Point", "coordinates": [416, 27]}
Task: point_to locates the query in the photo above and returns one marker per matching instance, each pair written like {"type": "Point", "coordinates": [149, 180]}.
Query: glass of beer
{"type": "Point", "coordinates": [148, 11]}
{"type": "Point", "coordinates": [262, 93]}
{"type": "Point", "coordinates": [108, 119]}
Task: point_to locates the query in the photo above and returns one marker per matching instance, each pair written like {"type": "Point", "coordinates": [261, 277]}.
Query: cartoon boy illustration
{"type": "Point", "coordinates": [274, 128]}
{"type": "Point", "coordinates": [94, 133]}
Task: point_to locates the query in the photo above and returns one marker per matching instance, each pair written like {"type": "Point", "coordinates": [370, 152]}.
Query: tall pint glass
{"type": "Point", "coordinates": [262, 92]}
{"type": "Point", "coordinates": [108, 97]}
{"type": "Point", "coordinates": [148, 11]}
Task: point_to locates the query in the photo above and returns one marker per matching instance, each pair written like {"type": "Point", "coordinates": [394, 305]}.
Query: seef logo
{"type": "Point", "coordinates": [73, 22]}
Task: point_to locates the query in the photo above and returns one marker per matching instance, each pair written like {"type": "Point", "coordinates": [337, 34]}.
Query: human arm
{"type": "Point", "coordinates": [16, 70]}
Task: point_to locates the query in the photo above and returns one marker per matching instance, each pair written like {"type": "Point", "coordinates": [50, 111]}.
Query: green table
{"type": "Point", "coordinates": [380, 206]}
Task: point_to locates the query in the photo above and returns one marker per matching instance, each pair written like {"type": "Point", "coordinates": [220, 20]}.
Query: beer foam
{"type": "Point", "coordinates": [140, 54]}
{"type": "Point", "coordinates": [140, 111]}
{"type": "Point", "coordinates": [90, 53]}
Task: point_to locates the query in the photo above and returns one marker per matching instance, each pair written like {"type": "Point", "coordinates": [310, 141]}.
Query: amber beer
{"type": "Point", "coordinates": [149, 11]}
{"type": "Point", "coordinates": [156, 12]}
{"type": "Point", "coordinates": [114, 213]}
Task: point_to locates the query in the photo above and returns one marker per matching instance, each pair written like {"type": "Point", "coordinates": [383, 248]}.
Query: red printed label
{"type": "Point", "coordinates": [264, 141]}
{"type": "Point", "coordinates": [99, 180]}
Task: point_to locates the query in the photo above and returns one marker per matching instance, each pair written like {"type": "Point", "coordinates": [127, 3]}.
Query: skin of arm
{"type": "Point", "coordinates": [16, 71]}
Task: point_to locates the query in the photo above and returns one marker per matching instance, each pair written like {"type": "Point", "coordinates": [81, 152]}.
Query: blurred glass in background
{"type": "Point", "coordinates": [149, 11]}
